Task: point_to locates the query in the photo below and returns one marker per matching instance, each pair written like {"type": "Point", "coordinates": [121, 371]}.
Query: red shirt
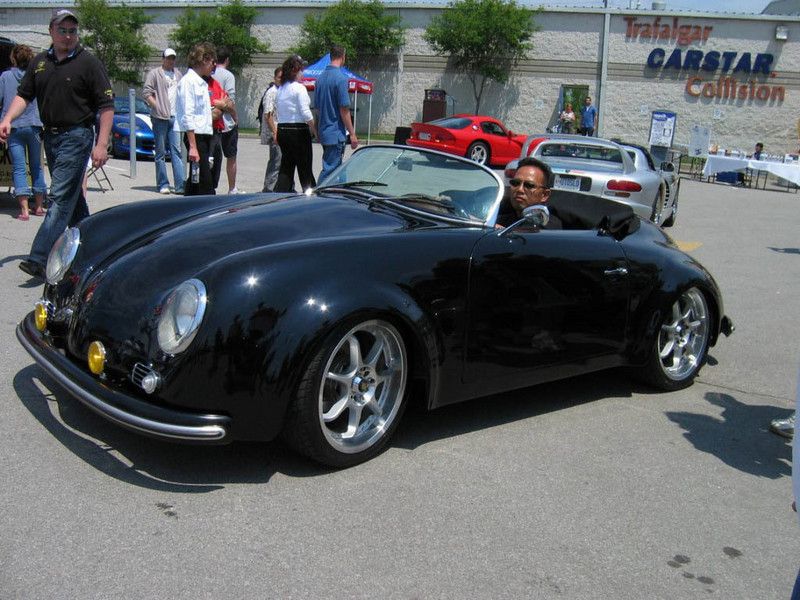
{"type": "Point", "coordinates": [216, 92]}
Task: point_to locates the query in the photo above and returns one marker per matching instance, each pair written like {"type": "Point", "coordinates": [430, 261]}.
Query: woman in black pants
{"type": "Point", "coordinates": [295, 127]}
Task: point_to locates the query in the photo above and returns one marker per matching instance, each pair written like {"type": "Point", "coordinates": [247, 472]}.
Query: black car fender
{"type": "Point", "coordinates": [649, 304]}
{"type": "Point", "coordinates": [262, 329]}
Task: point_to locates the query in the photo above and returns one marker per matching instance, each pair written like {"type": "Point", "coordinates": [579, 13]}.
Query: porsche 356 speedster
{"type": "Point", "coordinates": [318, 316]}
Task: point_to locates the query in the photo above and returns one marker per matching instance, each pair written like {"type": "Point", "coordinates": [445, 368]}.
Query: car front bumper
{"type": "Point", "coordinates": [123, 409]}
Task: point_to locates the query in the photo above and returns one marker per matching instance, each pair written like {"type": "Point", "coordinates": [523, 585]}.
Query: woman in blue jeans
{"type": "Point", "coordinates": [24, 143]}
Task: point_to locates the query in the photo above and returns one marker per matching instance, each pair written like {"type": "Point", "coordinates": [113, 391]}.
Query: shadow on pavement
{"type": "Point", "coordinates": [192, 469]}
{"type": "Point", "coordinates": [740, 437]}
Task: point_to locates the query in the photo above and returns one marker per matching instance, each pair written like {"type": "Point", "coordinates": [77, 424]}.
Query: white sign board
{"type": "Point", "coordinates": [700, 140]}
{"type": "Point", "coordinates": [662, 128]}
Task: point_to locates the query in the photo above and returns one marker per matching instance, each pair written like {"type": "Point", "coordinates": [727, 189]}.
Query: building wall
{"type": "Point", "coordinates": [567, 51]}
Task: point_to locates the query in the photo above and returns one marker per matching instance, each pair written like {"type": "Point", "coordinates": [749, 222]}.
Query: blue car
{"type": "Point", "coordinates": [119, 146]}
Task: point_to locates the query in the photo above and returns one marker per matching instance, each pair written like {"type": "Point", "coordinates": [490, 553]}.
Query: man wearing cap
{"type": "Point", "coordinates": [160, 89]}
{"type": "Point", "coordinates": [71, 87]}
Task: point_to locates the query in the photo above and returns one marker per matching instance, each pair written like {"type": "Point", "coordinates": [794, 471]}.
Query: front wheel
{"type": "Point", "coordinates": [681, 344]}
{"type": "Point", "coordinates": [479, 152]}
{"type": "Point", "coordinates": [351, 398]}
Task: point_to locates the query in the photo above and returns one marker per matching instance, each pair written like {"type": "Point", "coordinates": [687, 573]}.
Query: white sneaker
{"type": "Point", "coordinates": [236, 191]}
{"type": "Point", "coordinates": [165, 190]}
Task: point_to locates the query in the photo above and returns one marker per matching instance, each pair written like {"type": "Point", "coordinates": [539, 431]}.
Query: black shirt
{"type": "Point", "coordinates": [69, 92]}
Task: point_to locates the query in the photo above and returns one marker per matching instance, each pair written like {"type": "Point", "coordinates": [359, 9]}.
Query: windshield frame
{"type": "Point", "coordinates": [378, 194]}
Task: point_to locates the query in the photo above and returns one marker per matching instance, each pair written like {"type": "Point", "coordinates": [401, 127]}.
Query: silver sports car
{"type": "Point", "coordinates": [672, 182]}
{"type": "Point", "coordinates": [599, 167]}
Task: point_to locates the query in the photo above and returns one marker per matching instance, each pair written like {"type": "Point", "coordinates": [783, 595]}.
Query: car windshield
{"type": "Point", "coordinates": [585, 151]}
{"type": "Point", "coordinates": [437, 183]}
{"type": "Point", "coordinates": [452, 122]}
{"type": "Point", "coordinates": [121, 106]}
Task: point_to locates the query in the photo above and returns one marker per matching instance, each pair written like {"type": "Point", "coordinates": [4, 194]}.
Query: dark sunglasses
{"type": "Point", "coordinates": [526, 184]}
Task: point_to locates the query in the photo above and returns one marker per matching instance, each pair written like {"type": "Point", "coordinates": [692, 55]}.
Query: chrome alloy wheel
{"type": "Point", "coordinates": [362, 386]}
{"type": "Point", "coordinates": [683, 338]}
{"type": "Point", "coordinates": [478, 152]}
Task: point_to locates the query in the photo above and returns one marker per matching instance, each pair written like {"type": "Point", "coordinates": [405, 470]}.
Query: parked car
{"type": "Point", "coordinates": [120, 130]}
{"type": "Point", "coordinates": [482, 139]}
{"type": "Point", "coordinates": [597, 167]}
{"type": "Point", "coordinates": [668, 211]}
{"type": "Point", "coordinates": [320, 316]}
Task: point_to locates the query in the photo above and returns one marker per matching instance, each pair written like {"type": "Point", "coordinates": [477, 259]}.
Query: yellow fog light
{"type": "Point", "coordinates": [96, 356]}
{"type": "Point", "coordinates": [40, 315]}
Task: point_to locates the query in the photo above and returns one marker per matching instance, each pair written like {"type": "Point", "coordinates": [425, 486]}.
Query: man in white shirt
{"type": "Point", "coordinates": [160, 90]}
{"type": "Point", "coordinates": [269, 132]}
{"type": "Point", "coordinates": [193, 117]}
{"type": "Point", "coordinates": [229, 138]}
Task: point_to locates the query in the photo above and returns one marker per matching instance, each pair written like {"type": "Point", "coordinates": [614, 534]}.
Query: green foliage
{"type": "Point", "coordinates": [361, 27]}
{"type": "Point", "coordinates": [228, 25]}
{"type": "Point", "coordinates": [485, 38]}
{"type": "Point", "coordinates": [115, 36]}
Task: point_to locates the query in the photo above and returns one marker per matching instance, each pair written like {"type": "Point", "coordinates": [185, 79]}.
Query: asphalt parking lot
{"type": "Point", "coordinates": [596, 487]}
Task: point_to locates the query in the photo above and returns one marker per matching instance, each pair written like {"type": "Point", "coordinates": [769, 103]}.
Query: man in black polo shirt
{"type": "Point", "coordinates": [72, 87]}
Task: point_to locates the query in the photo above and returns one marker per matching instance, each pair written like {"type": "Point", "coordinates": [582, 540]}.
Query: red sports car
{"type": "Point", "coordinates": [482, 139]}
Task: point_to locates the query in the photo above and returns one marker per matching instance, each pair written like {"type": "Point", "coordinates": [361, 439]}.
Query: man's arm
{"type": "Point", "coordinates": [100, 150]}
{"type": "Point", "coordinates": [149, 89]}
{"type": "Point", "coordinates": [344, 111]}
{"type": "Point", "coordinates": [18, 106]}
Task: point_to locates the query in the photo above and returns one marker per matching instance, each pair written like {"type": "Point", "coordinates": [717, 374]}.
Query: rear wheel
{"type": "Point", "coordinates": [351, 398]}
{"type": "Point", "coordinates": [658, 207]}
{"type": "Point", "coordinates": [479, 152]}
{"type": "Point", "coordinates": [681, 344]}
{"type": "Point", "coordinates": [673, 215]}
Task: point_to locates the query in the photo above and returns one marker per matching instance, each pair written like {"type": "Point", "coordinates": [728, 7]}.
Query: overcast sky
{"type": "Point", "coordinates": [729, 6]}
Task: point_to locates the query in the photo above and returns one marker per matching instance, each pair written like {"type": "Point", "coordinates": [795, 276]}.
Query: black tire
{"type": "Point", "coordinates": [680, 347]}
{"type": "Point", "coordinates": [479, 152]}
{"type": "Point", "coordinates": [674, 214]}
{"type": "Point", "coordinates": [658, 206]}
{"type": "Point", "coordinates": [352, 396]}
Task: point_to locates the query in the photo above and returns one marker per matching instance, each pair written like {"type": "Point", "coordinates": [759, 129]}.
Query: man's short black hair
{"type": "Point", "coordinates": [337, 51]}
{"type": "Point", "coordinates": [759, 145]}
{"type": "Point", "coordinates": [529, 161]}
{"type": "Point", "coordinates": [223, 54]}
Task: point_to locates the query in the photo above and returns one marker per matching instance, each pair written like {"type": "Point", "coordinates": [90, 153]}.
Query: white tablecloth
{"type": "Point", "coordinates": [717, 164]}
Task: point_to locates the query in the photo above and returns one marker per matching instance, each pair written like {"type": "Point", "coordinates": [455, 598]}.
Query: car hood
{"type": "Point", "coordinates": [181, 250]}
{"type": "Point", "coordinates": [143, 122]}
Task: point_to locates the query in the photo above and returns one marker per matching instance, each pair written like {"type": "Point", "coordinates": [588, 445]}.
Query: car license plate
{"type": "Point", "coordinates": [424, 136]}
{"type": "Point", "coordinates": [568, 183]}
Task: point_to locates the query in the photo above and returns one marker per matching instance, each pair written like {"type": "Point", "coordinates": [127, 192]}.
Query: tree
{"type": "Point", "coordinates": [116, 38]}
{"type": "Point", "coordinates": [227, 25]}
{"type": "Point", "coordinates": [485, 38]}
{"type": "Point", "coordinates": [360, 27]}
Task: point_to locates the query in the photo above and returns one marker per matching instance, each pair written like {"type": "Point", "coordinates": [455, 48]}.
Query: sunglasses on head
{"type": "Point", "coordinates": [528, 185]}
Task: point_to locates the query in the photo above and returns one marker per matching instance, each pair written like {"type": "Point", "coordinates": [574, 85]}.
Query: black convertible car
{"type": "Point", "coordinates": [317, 316]}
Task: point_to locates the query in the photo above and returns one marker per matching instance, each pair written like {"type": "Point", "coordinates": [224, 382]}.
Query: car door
{"type": "Point", "coordinates": [543, 305]}
{"type": "Point", "coordinates": [503, 148]}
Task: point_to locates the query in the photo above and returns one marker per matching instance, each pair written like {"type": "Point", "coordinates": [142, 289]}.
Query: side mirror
{"type": "Point", "coordinates": [537, 215]}
{"type": "Point", "coordinates": [667, 167]}
{"type": "Point", "coordinates": [510, 134]}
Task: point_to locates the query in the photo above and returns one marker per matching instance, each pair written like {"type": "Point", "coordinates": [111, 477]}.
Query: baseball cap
{"type": "Point", "coordinates": [59, 14]}
{"type": "Point", "coordinates": [168, 52]}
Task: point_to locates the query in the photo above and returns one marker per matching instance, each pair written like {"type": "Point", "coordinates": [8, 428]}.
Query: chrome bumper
{"type": "Point", "coordinates": [125, 410]}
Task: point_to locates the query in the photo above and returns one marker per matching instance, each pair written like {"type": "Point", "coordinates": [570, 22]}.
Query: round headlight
{"type": "Point", "coordinates": [181, 315]}
{"type": "Point", "coordinates": [62, 255]}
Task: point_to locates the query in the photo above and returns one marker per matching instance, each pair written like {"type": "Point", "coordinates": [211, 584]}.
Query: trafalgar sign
{"type": "Point", "coordinates": [738, 72]}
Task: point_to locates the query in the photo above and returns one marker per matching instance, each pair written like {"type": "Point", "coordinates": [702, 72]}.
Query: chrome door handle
{"type": "Point", "coordinates": [617, 271]}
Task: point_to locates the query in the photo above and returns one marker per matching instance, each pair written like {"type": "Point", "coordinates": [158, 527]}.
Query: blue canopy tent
{"type": "Point", "coordinates": [356, 85]}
